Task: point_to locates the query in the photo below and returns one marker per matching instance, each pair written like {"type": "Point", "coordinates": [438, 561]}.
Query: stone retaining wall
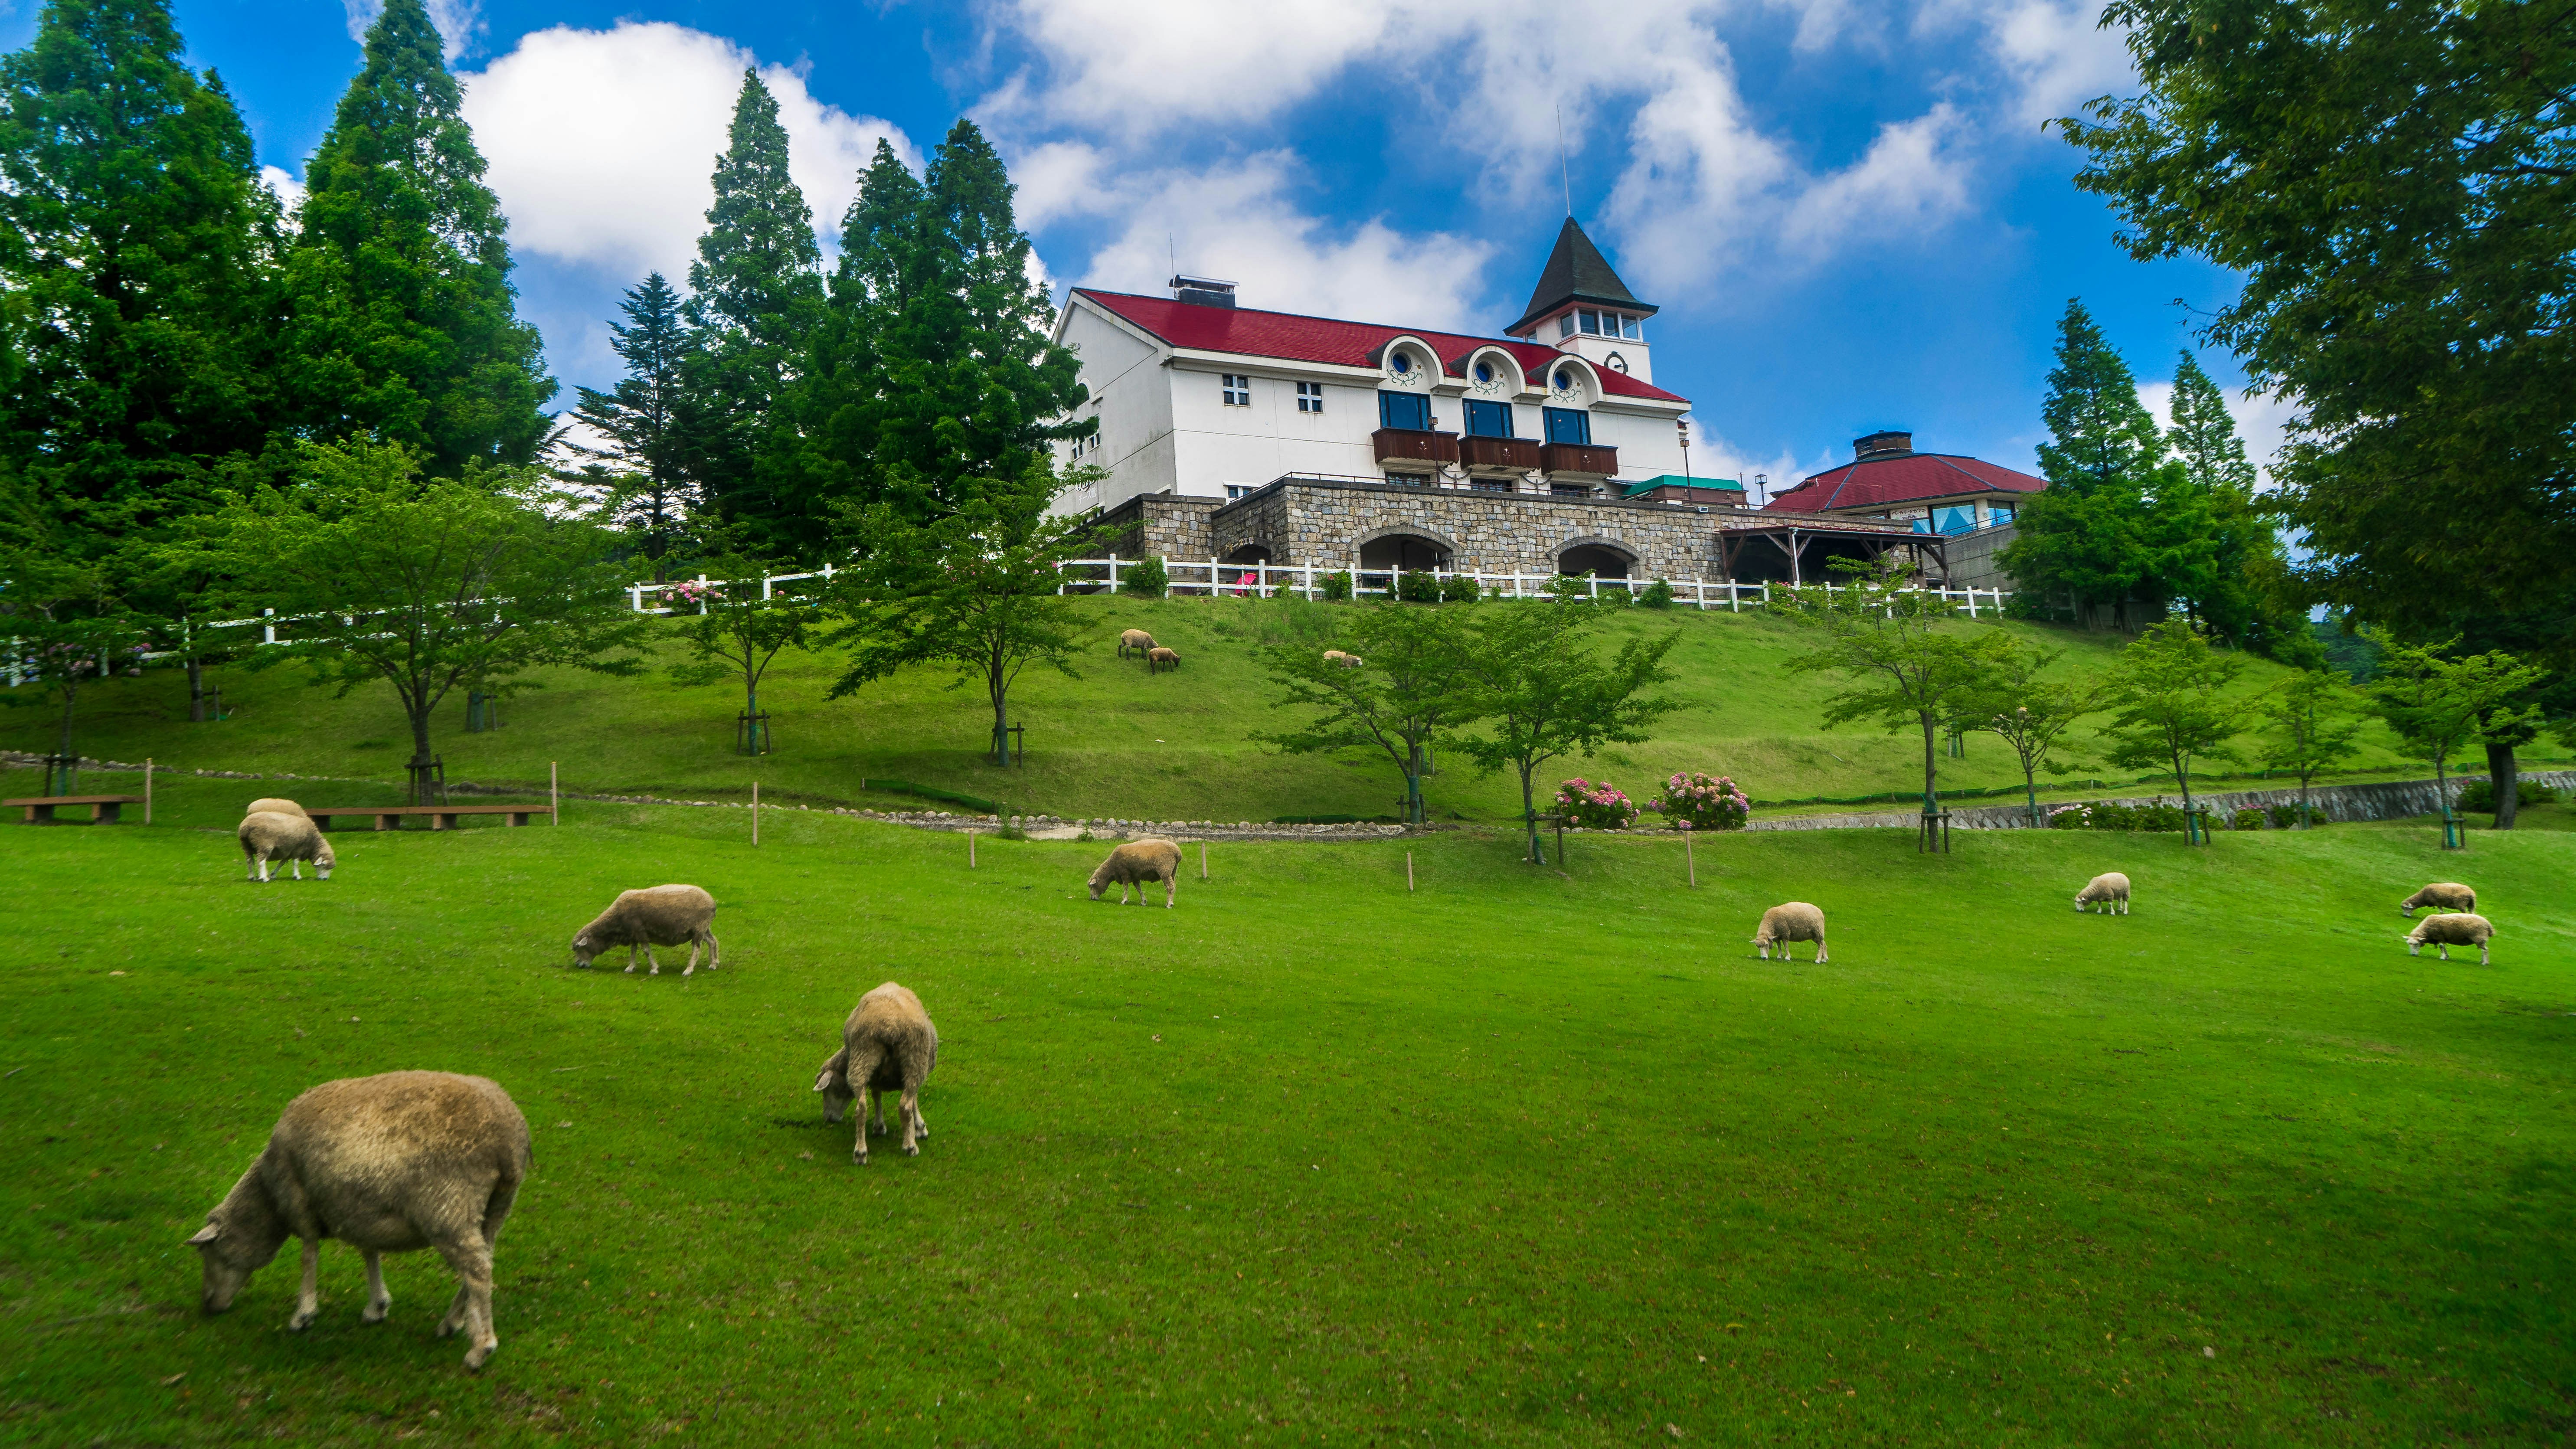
{"type": "Point", "coordinates": [2388, 800]}
{"type": "Point", "coordinates": [1324, 523]}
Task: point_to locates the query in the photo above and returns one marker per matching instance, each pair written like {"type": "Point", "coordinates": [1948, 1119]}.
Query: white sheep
{"type": "Point", "coordinates": [887, 1045]}
{"type": "Point", "coordinates": [290, 839]}
{"type": "Point", "coordinates": [274, 806]}
{"type": "Point", "coordinates": [2441, 895]}
{"type": "Point", "coordinates": [1339, 660]}
{"type": "Point", "coordinates": [665, 915]}
{"type": "Point", "coordinates": [386, 1164]}
{"type": "Point", "coordinates": [2109, 890]}
{"type": "Point", "coordinates": [1792, 921]}
{"type": "Point", "coordinates": [1136, 863]}
{"type": "Point", "coordinates": [2453, 929]}
{"type": "Point", "coordinates": [1134, 641]}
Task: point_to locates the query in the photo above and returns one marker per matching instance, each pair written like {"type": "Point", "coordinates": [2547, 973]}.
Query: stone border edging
{"type": "Point", "coordinates": [2385, 800]}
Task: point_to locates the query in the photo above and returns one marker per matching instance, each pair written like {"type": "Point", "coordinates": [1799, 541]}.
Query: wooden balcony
{"type": "Point", "coordinates": [1586, 459]}
{"type": "Point", "coordinates": [1405, 445]}
{"type": "Point", "coordinates": [1518, 454]}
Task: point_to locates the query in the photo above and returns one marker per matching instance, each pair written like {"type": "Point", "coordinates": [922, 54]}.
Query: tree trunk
{"type": "Point", "coordinates": [1001, 718]}
{"type": "Point", "coordinates": [1931, 763]}
{"type": "Point", "coordinates": [420, 755]}
{"type": "Point", "coordinates": [1529, 815]}
{"type": "Point", "coordinates": [2304, 815]}
{"type": "Point", "coordinates": [2030, 785]}
{"type": "Point", "coordinates": [196, 690]}
{"type": "Point", "coordinates": [1413, 787]}
{"type": "Point", "coordinates": [2182, 777]}
{"type": "Point", "coordinates": [2508, 784]}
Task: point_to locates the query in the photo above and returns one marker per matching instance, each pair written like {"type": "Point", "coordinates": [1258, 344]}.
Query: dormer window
{"type": "Point", "coordinates": [1401, 364]}
{"type": "Point", "coordinates": [1484, 372]}
{"type": "Point", "coordinates": [1565, 379]}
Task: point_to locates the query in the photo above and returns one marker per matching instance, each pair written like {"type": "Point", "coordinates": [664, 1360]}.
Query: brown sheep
{"type": "Point", "coordinates": [887, 1045]}
{"type": "Point", "coordinates": [285, 839]}
{"type": "Point", "coordinates": [1793, 921]}
{"type": "Point", "coordinates": [274, 807]}
{"type": "Point", "coordinates": [667, 915]}
{"type": "Point", "coordinates": [1135, 641]}
{"type": "Point", "coordinates": [2441, 895]}
{"type": "Point", "coordinates": [1137, 862]}
{"type": "Point", "coordinates": [1158, 659]}
{"type": "Point", "coordinates": [1340, 660]}
{"type": "Point", "coordinates": [386, 1164]}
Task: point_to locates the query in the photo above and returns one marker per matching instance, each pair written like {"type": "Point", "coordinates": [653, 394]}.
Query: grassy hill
{"type": "Point", "coordinates": [1521, 1158]}
{"type": "Point", "coordinates": [1114, 742]}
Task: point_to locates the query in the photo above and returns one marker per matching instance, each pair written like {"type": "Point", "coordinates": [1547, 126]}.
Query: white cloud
{"type": "Point", "coordinates": [2058, 56]}
{"type": "Point", "coordinates": [458, 21]}
{"type": "Point", "coordinates": [2262, 421]}
{"type": "Point", "coordinates": [600, 143]}
{"type": "Point", "coordinates": [1139, 65]}
{"type": "Point", "coordinates": [1911, 178]}
{"type": "Point", "coordinates": [290, 192]}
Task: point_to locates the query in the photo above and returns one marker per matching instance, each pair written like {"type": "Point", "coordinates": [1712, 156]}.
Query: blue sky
{"type": "Point", "coordinates": [1848, 211]}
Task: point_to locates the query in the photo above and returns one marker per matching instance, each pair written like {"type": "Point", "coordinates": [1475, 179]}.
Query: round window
{"type": "Point", "coordinates": [1484, 372]}
{"type": "Point", "coordinates": [1403, 363]}
{"type": "Point", "coordinates": [1565, 380]}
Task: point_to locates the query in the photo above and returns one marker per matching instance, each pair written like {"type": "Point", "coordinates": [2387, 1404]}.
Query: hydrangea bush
{"type": "Point", "coordinates": [1594, 806]}
{"type": "Point", "coordinates": [1702, 802]}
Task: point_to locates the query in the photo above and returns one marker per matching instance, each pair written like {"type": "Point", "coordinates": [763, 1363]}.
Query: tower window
{"type": "Point", "coordinates": [1310, 397]}
{"type": "Point", "coordinates": [1238, 390]}
{"type": "Point", "coordinates": [1591, 322]}
{"type": "Point", "coordinates": [1565, 325]}
{"type": "Point", "coordinates": [1633, 328]}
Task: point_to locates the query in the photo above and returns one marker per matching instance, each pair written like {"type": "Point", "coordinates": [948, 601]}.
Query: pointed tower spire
{"type": "Point", "coordinates": [1576, 272]}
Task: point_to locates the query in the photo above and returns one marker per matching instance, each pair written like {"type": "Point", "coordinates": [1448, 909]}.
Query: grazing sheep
{"type": "Point", "coordinates": [2445, 931]}
{"type": "Point", "coordinates": [1135, 640]}
{"type": "Point", "coordinates": [386, 1164]}
{"type": "Point", "coordinates": [1794, 921]}
{"type": "Point", "coordinates": [887, 1045]}
{"type": "Point", "coordinates": [2441, 895]}
{"type": "Point", "coordinates": [1158, 659]}
{"type": "Point", "coordinates": [290, 839]}
{"type": "Point", "coordinates": [274, 807]}
{"type": "Point", "coordinates": [2109, 890]}
{"type": "Point", "coordinates": [666, 915]}
{"type": "Point", "coordinates": [1340, 660]}
{"type": "Point", "coordinates": [1136, 863]}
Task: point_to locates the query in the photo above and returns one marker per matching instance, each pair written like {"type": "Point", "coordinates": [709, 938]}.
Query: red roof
{"type": "Point", "coordinates": [1906, 478]}
{"type": "Point", "coordinates": [1325, 339]}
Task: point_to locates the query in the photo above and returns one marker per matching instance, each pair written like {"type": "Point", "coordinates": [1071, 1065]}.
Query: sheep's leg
{"type": "Point", "coordinates": [630, 960]}
{"type": "Point", "coordinates": [715, 952]}
{"type": "Point", "coordinates": [911, 1110]}
{"type": "Point", "coordinates": [1820, 950]}
{"type": "Point", "coordinates": [876, 1113]}
{"type": "Point", "coordinates": [1171, 888]}
{"type": "Point", "coordinates": [692, 968]}
{"type": "Point", "coordinates": [2445, 948]}
{"type": "Point", "coordinates": [308, 1299]}
{"type": "Point", "coordinates": [295, 866]}
{"type": "Point", "coordinates": [379, 1302]}
{"type": "Point", "coordinates": [471, 1257]}
{"type": "Point", "coordinates": [2482, 953]}
{"type": "Point", "coordinates": [263, 870]}
{"type": "Point", "coordinates": [652, 960]}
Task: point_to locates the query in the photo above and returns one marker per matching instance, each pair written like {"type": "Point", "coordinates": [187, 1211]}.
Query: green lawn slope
{"type": "Point", "coordinates": [1524, 1157]}
{"type": "Point", "coordinates": [1114, 742]}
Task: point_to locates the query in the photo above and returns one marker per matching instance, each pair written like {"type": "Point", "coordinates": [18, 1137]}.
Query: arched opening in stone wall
{"type": "Point", "coordinates": [1404, 551]}
{"type": "Point", "coordinates": [1609, 561]}
{"type": "Point", "coordinates": [1250, 553]}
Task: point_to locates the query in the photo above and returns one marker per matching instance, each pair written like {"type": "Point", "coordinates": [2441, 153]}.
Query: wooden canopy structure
{"type": "Point", "coordinates": [1751, 548]}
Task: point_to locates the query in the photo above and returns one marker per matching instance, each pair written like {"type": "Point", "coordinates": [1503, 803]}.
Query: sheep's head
{"type": "Point", "coordinates": [834, 1083]}
{"type": "Point", "coordinates": [323, 860]}
{"type": "Point", "coordinates": [230, 1259]}
{"type": "Point", "coordinates": [1099, 880]}
{"type": "Point", "coordinates": [583, 948]}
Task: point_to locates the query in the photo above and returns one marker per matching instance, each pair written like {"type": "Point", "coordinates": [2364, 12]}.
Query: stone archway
{"type": "Point", "coordinates": [1604, 557]}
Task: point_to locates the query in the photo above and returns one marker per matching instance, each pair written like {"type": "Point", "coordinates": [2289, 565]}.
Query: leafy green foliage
{"type": "Point", "coordinates": [404, 325]}
{"type": "Point", "coordinates": [1145, 578]}
{"type": "Point", "coordinates": [1413, 690]}
{"type": "Point", "coordinates": [2030, 714]}
{"type": "Point", "coordinates": [736, 633]}
{"type": "Point", "coordinates": [2313, 729]}
{"type": "Point", "coordinates": [2438, 705]}
{"type": "Point", "coordinates": [2171, 703]}
{"type": "Point", "coordinates": [647, 417]}
{"type": "Point", "coordinates": [1542, 690]}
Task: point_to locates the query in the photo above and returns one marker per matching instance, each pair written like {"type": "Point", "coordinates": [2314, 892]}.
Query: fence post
{"type": "Point", "coordinates": [554, 794]}
{"type": "Point", "coordinates": [1113, 588]}
{"type": "Point", "coordinates": [764, 586]}
{"type": "Point", "coordinates": [268, 631]}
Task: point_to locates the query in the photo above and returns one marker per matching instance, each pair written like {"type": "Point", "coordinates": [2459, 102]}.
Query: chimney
{"type": "Point", "coordinates": [1203, 291]}
{"type": "Point", "coordinates": [1887, 443]}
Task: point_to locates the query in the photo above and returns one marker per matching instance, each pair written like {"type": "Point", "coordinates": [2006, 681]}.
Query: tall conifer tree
{"type": "Point", "coordinates": [2240, 585]}
{"type": "Point", "coordinates": [137, 275]}
{"type": "Point", "coordinates": [756, 293]}
{"type": "Point", "coordinates": [645, 417]}
{"type": "Point", "coordinates": [2086, 534]}
{"type": "Point", "coordinates": [406, 325]}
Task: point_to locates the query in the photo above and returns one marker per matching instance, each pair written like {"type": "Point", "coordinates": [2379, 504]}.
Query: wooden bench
{"type": "Point", "coordinates": [441, 817]}
{"type": "Point", "coordinates": [103, 809]}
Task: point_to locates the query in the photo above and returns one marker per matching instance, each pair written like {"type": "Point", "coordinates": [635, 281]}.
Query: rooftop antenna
{"type": "Point", "coordinates": [1565, 168]}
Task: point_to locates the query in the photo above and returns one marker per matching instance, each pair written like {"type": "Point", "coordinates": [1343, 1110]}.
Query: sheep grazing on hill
{"type": "Point", "coordinates": [2109, 890]}
{"type": "Point", "coordinates": [887, 1045]}
{"type": "Point", "coordinates": [1793, 921]}
{"type": "Point", "coordinates": [2439, 896]}
{"type": "Point", "coordinates": [387, 1164]}
{"type": "Point", "coordinates": [274, 807]}
{"type": "Point", "coordinates": [1136, 863]}
{"type": "Point", "coordinates": [1134, 641]}
{"type": "Point", "coordinates": [1340, 660]}
{"type": "Point", "coordinates": [1158, 659]}
{"type": "Point", "coordinates": [287, 839]}
{"type": "Point", "coordinates": [665, 915]}
{"type": "Point", "coordinates": [2445, 931]}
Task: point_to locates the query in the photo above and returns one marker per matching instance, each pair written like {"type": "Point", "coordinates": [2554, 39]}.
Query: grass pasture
{"type": "Point", "coordinates": [1523, 1158]}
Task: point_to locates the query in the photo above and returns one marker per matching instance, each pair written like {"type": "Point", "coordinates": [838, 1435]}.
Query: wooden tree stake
{"type": "Point", "coordinates": [1408, 872]}
{"type": "Point", "coordinates": [147, 789]}
{"type": "Point", "coordinates": [1687, 862]}
{"type": "Point", "coordinates": [1203, 860]}
{"type": "Point", "coordinates": [970, 850]}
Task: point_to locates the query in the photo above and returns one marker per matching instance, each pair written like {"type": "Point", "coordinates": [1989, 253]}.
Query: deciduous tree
{"type": "Point", "coordinates": [1413, 689]}
{"type": "Point", "coordinates": [2029, 713]}
{"type": "Point", "coordinates": [2313, 730]}
{"type": "Point", "coordinates": [2172, 702]}
{"type": "Point", "coordinates": [1543, 689]}
{"type": "Point", "coordinates": [2439, 705]}
{"type": "Point", "coordinates": [738, 632]}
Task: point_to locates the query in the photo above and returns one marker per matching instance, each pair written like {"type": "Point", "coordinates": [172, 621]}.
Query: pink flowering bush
{"type": "Point", "coordinates": [1594, 806]}
{"type": "Point", "coordinates": [693, 591]}
{"type": "Point", "coordinates": [1702, 802]}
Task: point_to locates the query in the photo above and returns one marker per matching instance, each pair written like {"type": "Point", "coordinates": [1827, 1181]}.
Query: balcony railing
{"type": "Point", "coordinates": [1586, 458]}
{"type": "Point", "coordinates": [1406, 445]}
{"type": "Point", "coordinates": [1518, 454]}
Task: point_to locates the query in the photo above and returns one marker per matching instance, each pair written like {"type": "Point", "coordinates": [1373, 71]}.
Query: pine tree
{"type": "Point", "coordinates": [406, 325]}
{"type": "Point", "coordinates": [2237, 581]}
{"type": "Point", "coordinates": [756, 294]}
{"type": "Point", "coordinates": [645, 417]}
{"type": "Point", "coordinates": [137, 275]}
{"type": "Point", "coordinates": [2087, 533]}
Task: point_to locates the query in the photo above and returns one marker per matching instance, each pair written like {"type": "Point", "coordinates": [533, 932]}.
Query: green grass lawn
{"type": "Point", "coordinates": [1522, 1158]}
{"type": "Point", "coordinates": [1115, 742]}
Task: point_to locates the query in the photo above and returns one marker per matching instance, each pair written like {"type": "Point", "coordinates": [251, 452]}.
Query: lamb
{"type": "Point", "coordinates": [1136, 640]}
{"type": "Point", "coordinates": [666, 915]}
{"type": "Point", "coordinates": [888, 1044]}
{"type": "Point", "coordinates": [275, 807]}
{"type": "Point", "coordinates": [1158, 659]}
{"type": "Point", "coordinates": [1340, 660]}
{"type": "Point", "coordinates": [1136, 863]}
{"type": "Point", "coordinates": [289, 839]}
{"type": "Point", "coordinates": [1794, 921]}
{"type": "Point", "coordinates": [386, 1164]}
{"type": "Point", "coordinates": [2441, 895]}
{"type": "Point", "coordinates": [2445, 931]}
{"type": "Point", "coordinates": [2109, 890]}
